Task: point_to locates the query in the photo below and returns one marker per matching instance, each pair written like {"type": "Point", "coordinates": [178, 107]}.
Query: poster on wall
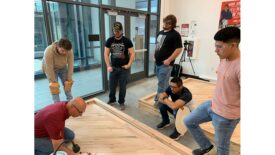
{"type": "Point", "coordinates": [190, 49]}
{"type": "Point", "coordinates": [184, 30]}
{"type": "Point", "coordinates": [230, 14]}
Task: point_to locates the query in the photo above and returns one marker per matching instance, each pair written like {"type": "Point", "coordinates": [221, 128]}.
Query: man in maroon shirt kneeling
{"type": "Point", "coordinates": [50, 130]}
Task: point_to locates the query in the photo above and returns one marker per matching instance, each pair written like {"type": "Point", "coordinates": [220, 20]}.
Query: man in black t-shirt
{"type": "Point", "coordinates": [168, 47]}
{"type": "Point", "coordinates": [180, 96]}
{"type": "Point", "coordinates": [122, 57]}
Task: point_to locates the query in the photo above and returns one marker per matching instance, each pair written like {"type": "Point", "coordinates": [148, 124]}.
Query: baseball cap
{"type": "Point", "coordinates": [117, 26]}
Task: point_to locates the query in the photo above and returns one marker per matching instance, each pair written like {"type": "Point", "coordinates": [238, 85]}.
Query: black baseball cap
{"type": "Point", "coordinates": [117, 26]}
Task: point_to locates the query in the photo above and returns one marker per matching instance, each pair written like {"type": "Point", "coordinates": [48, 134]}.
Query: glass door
{"type": "Point", "coordinates": [133, 28]}
{"type": "Point", "coordinates": [137, 35]}
{"type": "Point", "coordinates": [81, 25]}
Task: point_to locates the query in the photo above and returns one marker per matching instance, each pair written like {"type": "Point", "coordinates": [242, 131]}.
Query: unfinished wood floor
{"type": "Point", "coordinates": [105, 130]}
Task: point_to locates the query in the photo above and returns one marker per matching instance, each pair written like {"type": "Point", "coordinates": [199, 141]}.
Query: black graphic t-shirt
{"type": "Point", "coordinates": [167, 43]}
{"type": "Point", "coordinates": [184, 95]}
{"type": "Point", "coordinates": [119, 50]}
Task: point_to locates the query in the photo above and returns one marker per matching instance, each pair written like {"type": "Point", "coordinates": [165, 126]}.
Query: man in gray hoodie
{"type": "Point", "coordinates": [58, 61]}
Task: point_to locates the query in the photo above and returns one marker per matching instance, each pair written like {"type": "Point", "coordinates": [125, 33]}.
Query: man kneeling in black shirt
{"type": "Point", "coordinates": [180, 96]}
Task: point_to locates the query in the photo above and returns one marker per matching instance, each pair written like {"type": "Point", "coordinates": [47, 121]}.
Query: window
{"type": "Point", "coordinates": [77, 23]}
{"type": "Point", "coordinates": [152, 43]}
{"type": "Point", "coordinates": [40, 36]}
{"type": "Point", "coordinates": [131, 4]}
{"type": "Point", "coordinates": [154, 6]}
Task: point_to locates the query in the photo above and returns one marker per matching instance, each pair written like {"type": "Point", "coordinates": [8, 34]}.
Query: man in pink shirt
{"type": "Point", "coordinates": [224, 109]}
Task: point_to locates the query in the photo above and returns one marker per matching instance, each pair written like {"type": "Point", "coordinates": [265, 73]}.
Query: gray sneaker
{"type": "Point", "coordinates": [122, 107]}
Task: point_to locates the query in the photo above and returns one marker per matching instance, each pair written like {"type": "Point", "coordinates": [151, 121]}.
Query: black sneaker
{"type": "Point", "coordinates": [111, 102]}
{"type": "Point", "coordinates": [163, 125]}
{"type": "Point", "coordinates": [202, 151]}
{"type": "Point", "coordinates": [175, 135]}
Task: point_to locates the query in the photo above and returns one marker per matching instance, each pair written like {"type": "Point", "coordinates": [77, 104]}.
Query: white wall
{"type": "Point", "coordinates": [207, 14]}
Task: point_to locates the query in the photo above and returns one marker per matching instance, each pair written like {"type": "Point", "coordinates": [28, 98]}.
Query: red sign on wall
{"type": "Point", "coordinates": [184, 30]}
{"type": "Point", "coordinates": [230, 14]}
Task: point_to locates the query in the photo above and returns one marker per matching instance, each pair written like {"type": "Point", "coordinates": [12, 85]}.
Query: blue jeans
{"type": "Point", "coordinates": [223, 127]}
{"type": "Point", "coordinates": [163, 73]}
{"type": "Point", "coordinates": [62, 74]}
{"type": "Point", "coordinates": [118, 76]}
{"type": "Point", "coordinates": [43, 146]}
